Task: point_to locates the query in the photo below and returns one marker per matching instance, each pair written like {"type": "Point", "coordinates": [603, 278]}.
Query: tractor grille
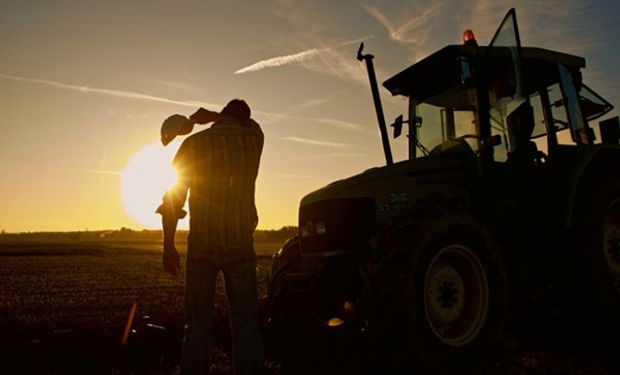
{"type": "Point", "coordinates": [337, 225]}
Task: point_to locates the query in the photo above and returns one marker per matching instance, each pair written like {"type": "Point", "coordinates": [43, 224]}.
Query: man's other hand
{"type": "Point", "coordinates": [172, 260]}
{"type": "Point", "coordinates": [204, 116]}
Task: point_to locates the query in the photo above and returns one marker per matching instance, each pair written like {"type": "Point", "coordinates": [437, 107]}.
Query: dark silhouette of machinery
{"type": "Point", "coordinates": [506, 198]}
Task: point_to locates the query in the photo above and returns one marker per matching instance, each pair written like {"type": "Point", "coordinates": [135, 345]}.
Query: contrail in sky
{"type": "Point", "coordinates": [280, 60]}
{"type": "Point", "coordinates": [109, 92]}
{"type": "Point", "coordinates": [81, 170]}
{"type": "Point", "coordinates": [96, 171]}
{"type": "Point", "coordinates": [315, 142]}
{"type": "Point", "coordinates": [408, 31]}
{"type": "Point", "coordinates": [136, 95]}
{"type": "Point", "coordinates": [295, 57]}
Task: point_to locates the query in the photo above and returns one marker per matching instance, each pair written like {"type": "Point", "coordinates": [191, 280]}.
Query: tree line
{"type": "Point", "coordinates": [127, 234]}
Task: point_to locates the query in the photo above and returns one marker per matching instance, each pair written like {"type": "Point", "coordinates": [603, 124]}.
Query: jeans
{"type": "Point", "coordinates": [240, 282]}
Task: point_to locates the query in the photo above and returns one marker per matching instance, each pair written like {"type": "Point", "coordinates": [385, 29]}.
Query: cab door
{"type": "Point", "coordinates": [515, 180]}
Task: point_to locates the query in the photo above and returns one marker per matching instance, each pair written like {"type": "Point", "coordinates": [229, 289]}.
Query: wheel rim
{"type": "Point", "coordinates": [456, 295]}
{"type": "Point", "coordinates": [611, 241]}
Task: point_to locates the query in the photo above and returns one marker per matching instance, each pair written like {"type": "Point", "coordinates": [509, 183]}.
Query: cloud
{"type": "Point", "coordinates": [284, 176]}
{"type": "Point", "coordinates": [414, 29]}
{"type": "Point", "coordinates": [424, 26]}
{"type": "Point", "coordinates": [179, 85]}
{"type": "Point", "coordinates": [314, 142]}
{"type": "Point", "coordinates": [330, 156]}
{"type": "Point", "coordinates": [95, 171]}
{"type": "Point", "coordinates": [267, 117]}
{"type": "Point", "coordinates": [295, 57]}
{"type": "Point", "coordinates": [556, 25]}
{"type": "Point", "coordinates": [280, 60]}
{"type": "Point", "coordinates": [301, 15]}
{"type": "Point", "coordinates": [314, 102]}
{"type": "Point", "coordinates": [109, 92]}
{"type": "Point", "coordinates": [52, 169]}
{"type": "Point", "coordinates": [341, 64]}
{"type": "Point", "coordinates": [346, 125]}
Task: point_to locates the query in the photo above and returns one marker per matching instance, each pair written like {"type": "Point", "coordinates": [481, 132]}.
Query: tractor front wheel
{"type": "Point", "coordinates": [434, 296]}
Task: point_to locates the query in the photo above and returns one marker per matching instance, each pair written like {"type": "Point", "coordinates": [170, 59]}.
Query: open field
{"type": "Point", "coordinates": [63, 307]}
{"type": "Point", "coordinates": [69, 302]}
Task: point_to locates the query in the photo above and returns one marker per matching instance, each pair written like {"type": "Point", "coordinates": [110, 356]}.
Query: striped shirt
{"type": "Point", "coordinates": [219, 166]}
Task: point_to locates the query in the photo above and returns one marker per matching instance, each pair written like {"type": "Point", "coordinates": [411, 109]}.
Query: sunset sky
{"type": "Point", "coordinates": [85, 86]}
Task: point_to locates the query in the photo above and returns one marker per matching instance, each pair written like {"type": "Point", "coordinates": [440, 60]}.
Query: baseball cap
{"type": "Point", "coordinates": [173, 126]}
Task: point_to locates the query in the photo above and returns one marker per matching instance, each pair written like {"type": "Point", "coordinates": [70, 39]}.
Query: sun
{"type": "Point", "coordinates": [145, 179]}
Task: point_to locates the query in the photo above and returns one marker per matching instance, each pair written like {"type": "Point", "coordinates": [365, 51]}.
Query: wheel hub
{"type": "Point", "coordinates": [446, 294]}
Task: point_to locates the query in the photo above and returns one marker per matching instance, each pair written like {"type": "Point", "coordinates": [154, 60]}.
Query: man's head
{"type": "Point", "coordinates": [237, 109]}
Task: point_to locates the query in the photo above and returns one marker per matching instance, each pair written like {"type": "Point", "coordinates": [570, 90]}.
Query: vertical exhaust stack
{"type": "Point", "coordinates": [377, 100]}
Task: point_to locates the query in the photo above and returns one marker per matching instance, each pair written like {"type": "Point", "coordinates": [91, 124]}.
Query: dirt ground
{"type": "Point", "coordinates": [64, 306]}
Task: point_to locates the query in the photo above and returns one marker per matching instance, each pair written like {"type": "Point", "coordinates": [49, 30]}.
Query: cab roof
{"type": "Point", "coordinates": [442, 69]}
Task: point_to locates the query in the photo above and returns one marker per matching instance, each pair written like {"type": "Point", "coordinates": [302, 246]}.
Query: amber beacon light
{"type": "Point", "coordinates": [469, 38]}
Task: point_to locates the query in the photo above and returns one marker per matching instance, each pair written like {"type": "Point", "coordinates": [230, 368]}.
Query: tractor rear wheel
{"type": "Point", "coordinates": [434, 296]}
{"type": "Point", "coordinates": [599, 253]}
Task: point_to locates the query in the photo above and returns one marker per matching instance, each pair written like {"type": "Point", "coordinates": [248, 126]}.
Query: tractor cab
{"type": "Point", "coordinates": [502, 102]}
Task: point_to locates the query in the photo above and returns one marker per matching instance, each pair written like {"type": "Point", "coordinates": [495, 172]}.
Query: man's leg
{"type": "Point", "coordinates": [200, 278]}
{"type": "Point", "coordinates": [240, 280]}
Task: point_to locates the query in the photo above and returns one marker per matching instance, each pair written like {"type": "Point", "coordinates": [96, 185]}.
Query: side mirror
{"type": "Point", "coordinates": [610, 130]}
{"type": "Point", "coordinates": [398, 126]}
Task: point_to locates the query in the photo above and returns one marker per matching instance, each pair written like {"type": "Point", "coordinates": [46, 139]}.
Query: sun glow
{"type": "Point", "coordinates": [144, 181]}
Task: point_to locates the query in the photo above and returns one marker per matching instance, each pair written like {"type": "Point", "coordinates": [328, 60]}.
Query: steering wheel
{"type": "Point", "coordinates": [467, 136]}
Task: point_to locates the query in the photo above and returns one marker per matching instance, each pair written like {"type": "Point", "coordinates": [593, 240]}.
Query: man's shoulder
{"type": "Point", "coordinates": [198, 135]}
{"type": "Point", "coordinates": [225, 127]}
{"type": "Point", "coordinates": [252, 124]}
{"type": "Point", "coordinates": [229, 126]}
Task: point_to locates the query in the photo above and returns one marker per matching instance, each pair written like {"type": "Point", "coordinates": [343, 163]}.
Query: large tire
{"type": "Point", "coordinates": [281, 307]}
{"type": "Point", "coordinates": [598, 228]}
{"type": "Point", "coordinates": [298, 336]}
{"type": "Point", "coordinates": [285, 261]}
{"type": "Point", "coordinates": [434, 296]}
{"type": "Point", "coordinates": [290, 330]}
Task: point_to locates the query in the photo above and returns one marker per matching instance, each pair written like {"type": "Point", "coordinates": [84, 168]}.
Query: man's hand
{"type": "Point", "coordinates": [172, 261]}
{"type": "Point", "coordinates": [204, 116]}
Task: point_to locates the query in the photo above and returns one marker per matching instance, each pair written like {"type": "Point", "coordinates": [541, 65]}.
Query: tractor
{"type": "Point", "coordinates": [508, 197]}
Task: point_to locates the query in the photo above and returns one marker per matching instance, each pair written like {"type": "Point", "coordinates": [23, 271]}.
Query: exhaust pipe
{"type": "Point", "coordinates": [377, 100]}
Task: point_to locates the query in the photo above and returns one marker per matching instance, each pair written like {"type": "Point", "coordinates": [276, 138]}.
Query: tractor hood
{"type": "Point", "coordinates": [382, 182]}
{"type": "Point", "coordinates": [341, 216]}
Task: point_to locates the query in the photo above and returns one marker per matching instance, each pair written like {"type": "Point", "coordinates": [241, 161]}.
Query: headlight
{"type": "Point", "coordinates": [307, 229]}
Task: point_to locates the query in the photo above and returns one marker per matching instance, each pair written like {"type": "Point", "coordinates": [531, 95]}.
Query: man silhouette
{"type": "Point", "coordinates": [218, 166]}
